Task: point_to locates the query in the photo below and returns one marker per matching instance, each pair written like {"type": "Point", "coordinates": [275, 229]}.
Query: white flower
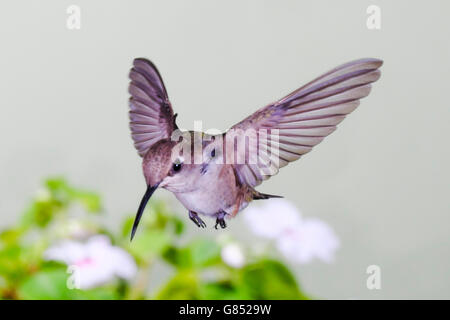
{"type": "Point", "coordinates": [94, 262]}
{"type": "Point", "coordinates": [312, 238]}
{"type": "Point", "coordinates": [298, 239]}
{"type": "Point", "coordinates": [273, 218]}
{"type": "Point", "coordinates": [233, 256]}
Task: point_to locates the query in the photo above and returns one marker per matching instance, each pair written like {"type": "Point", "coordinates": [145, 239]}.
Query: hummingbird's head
{"type": "Point", "coordinates": [164, 166]}
{"type": "Point", "coordinates": [168, 164]}
{"type": "Point", "coordinates": [157, 162]}
{"type": "Point", "coordinates": [156, 166]}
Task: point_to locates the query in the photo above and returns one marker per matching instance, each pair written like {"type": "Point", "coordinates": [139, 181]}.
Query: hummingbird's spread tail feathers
{"type": "Point", "coordinates": [263, 196]}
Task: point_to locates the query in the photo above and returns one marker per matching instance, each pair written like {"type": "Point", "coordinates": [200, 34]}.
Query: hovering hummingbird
{"type": "Point", "coordinates": [221, 180]}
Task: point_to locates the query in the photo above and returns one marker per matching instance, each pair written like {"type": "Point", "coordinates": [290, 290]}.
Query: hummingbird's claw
{"type": "Point", "coordinates": [196, 219]}
{"type": "Point", "coordinates": [221, 220]}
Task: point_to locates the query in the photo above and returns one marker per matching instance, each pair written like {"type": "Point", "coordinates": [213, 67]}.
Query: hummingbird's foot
{"type": "Point", "coordinates": [196, 219]}
{"type": "Point", "coordinates": [221, 220]}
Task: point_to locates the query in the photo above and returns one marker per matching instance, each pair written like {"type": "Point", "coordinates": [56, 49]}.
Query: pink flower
{"type": "Point", "coordinates": [94, 262]}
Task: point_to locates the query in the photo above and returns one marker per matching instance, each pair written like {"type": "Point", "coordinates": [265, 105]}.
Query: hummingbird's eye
{"type": "Point", "coordinates": [176, 167]}
{"type": "Point", "coordinates": [213, 153]}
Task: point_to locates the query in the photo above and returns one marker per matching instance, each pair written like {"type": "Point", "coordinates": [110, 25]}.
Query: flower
{"type": "Point", "coordinates": [273, 218]}
{"type": "Point", "coordinates": [312, 238]}
{"type": "Point", "coordinates": [94, 262]}
{"type": "Point", "coordinates": [232, 255]}
{"type": "Point", "coordinates": [298, 239]}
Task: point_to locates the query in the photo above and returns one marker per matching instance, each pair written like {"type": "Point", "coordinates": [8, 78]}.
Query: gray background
{"type": "Point", "coordinates": [381, 180]}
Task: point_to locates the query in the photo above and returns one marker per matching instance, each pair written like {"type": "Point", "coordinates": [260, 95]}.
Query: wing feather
{"type": "Point", "coordinates": [151, 115]}
{"type": "Point", "coordinates": [296, 123]}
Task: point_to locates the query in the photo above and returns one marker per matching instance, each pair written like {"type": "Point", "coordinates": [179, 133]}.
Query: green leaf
{"type": "Point", "coordinates": [101, 293]}
{"type": "Point", "coordinates": [55, 184]}
{"type": "Point", "coordinates": [41, 212]}
{"type": "Point", "coordinates": [11, 262]}
{"type": "Point", "coordinates": [11, 236]}
{"type": "Point", "coordinates": [178, 225]}
{"type": "Point", "coordinates": [223, 291]}
{"type": "Point", "coordinates": [46, 285]}
{"type": "Point", "coordinates": [183, 286]}
{"type": "Point", "coordinates": [55, 199]}
{"type": "Point", "coordinates": [127, 226]}
{"type": "Point", "coordinates": [180, 258]}
{"type": "Point", "coordinates": [270, 279]}
{"type": "Point", "coordinates": [204, 252]}
{"type": "Point", "coordinates": [52, 285]}
{"type": "Point", "coordinates": [149, 243]}
{"type": "Point", "coordinates": [199, 253]}
{"type": "Point", "coordinates": [90, 200]}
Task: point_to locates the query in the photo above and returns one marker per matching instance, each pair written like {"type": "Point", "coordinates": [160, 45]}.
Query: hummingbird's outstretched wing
{"type": "Point", "coordinates": [299, 121]}
{"type": "Point", "coordinates": [151, 114]}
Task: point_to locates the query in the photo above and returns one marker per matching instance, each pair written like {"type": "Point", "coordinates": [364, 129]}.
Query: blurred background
{"type": "Point", "coordinates": [381, 181]}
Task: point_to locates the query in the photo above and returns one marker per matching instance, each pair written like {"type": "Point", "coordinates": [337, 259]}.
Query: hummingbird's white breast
{"type": "Point", "coordinates": [215, 191]}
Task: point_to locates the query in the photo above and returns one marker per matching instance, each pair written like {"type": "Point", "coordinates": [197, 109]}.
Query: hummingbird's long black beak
{"type": "Point", "coordinates": [145, 198]}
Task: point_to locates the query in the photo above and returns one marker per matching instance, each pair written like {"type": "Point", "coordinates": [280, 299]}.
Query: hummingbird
{"type": "Point", "coordinates": [221, 180]}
